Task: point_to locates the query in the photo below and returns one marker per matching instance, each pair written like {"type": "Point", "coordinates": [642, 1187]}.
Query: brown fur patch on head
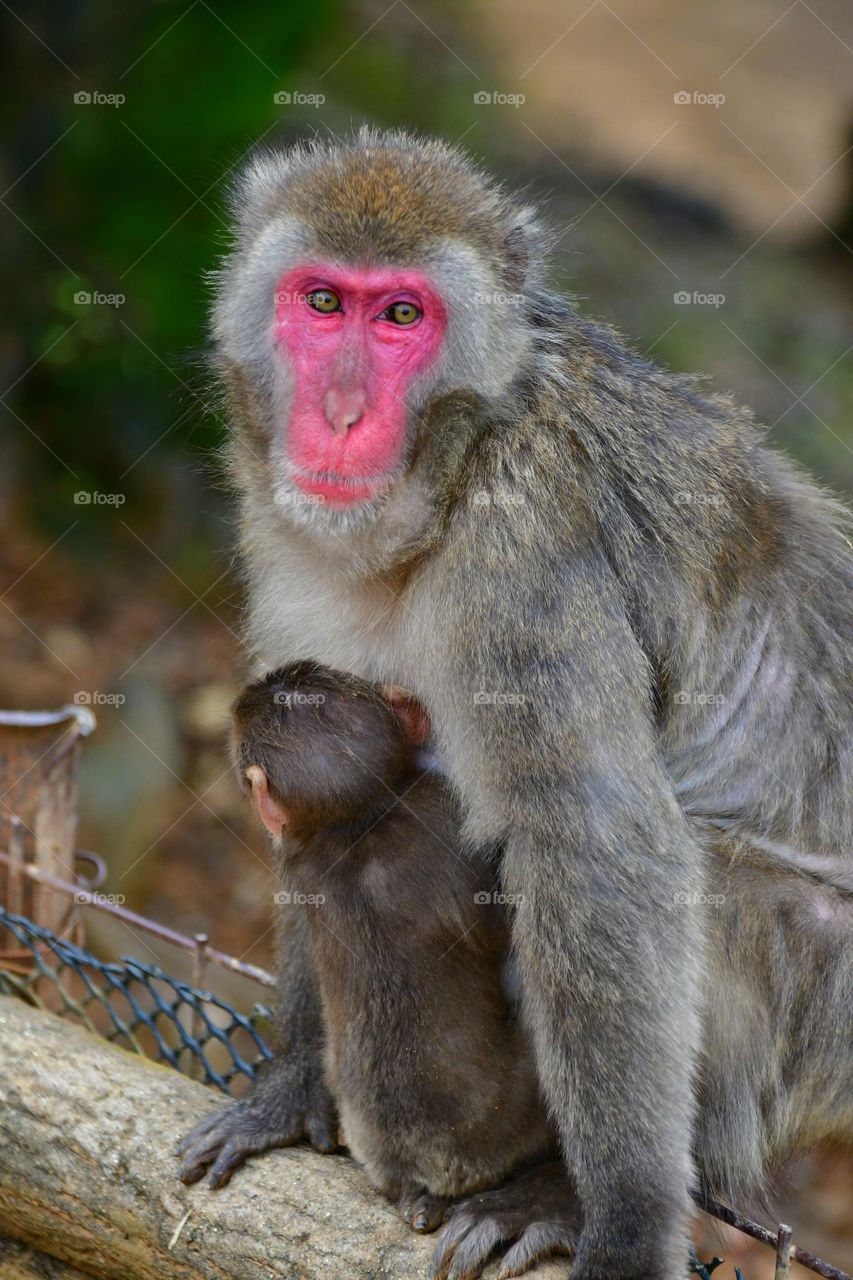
{"type": "Point", "coordinates": [387, 197]}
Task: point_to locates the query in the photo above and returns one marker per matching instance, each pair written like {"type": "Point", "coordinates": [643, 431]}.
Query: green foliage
{"type": "Point", "coordinates": [128, 204]}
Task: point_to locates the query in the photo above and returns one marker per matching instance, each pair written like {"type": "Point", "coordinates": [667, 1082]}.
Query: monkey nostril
{"type": "Point", "coordinates": [343, 409]}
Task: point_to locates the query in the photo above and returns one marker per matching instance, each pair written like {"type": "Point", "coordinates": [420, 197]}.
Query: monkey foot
{"type": "Point", "coordinates": [224, 1140]}
{"type": "Point", "coordinates": [421, 1210]}
{"type": "Point", "coordinates": [535, 1212]}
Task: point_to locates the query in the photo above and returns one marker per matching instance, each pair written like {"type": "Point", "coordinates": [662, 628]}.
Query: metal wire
{"type": "Point", "coordinates": [137, 1006]}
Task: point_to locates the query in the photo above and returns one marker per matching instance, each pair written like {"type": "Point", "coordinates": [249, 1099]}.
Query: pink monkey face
{"type": "Point", "coordinates": [355, 339]}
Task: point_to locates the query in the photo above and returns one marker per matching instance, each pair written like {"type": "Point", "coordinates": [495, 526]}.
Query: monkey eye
{"type": "Point", "coordinates": [402, 313]}
{"type": "Point", "coordinates": [324, 300]}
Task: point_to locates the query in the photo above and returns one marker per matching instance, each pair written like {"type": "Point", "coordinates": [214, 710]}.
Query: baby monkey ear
{"type": "Point", "coordinates": [412, 716]}
{"type": "Point", "coordinates": [273, 815]}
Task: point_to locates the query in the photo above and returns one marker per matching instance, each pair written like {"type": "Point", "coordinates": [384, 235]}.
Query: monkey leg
{"type": "Point", "coordinates": [536, 1213]}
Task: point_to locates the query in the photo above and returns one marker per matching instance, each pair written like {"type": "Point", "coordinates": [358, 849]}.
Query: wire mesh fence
{"type": "Point", "coordinates": [137, 1006]}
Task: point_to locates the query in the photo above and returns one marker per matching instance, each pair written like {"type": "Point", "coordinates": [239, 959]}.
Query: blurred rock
{"type": "Point", "coordinates": [626, 87]}
{"type": "Point", "coordinates": [207, 711]}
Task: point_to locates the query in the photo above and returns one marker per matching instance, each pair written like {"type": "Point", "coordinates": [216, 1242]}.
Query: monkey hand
{"type": "Point", "coordinates": [286, 1106]}
{"type": "Point", "coordinates": [535, 1212]}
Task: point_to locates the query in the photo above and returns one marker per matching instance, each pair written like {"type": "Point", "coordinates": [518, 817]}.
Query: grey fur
{"type": "Point", "coordinates": [658, 611]}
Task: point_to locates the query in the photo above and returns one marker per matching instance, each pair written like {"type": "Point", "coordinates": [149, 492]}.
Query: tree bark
{"type": "Point", "coordinates": [88, 1176]}
{"type": "Point", "coordinates": [19, 1262]}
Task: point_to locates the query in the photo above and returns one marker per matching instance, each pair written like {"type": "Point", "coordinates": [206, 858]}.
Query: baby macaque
{"type": "Point", "coordinates": [425, 1056]}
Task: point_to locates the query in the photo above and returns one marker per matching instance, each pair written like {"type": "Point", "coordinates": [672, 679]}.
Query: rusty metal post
{"type": "Point", "coordinates": [38, 808]}
{"type": "Point", "coordinates": [783, 1252]}
{"type": "Point", "coordinates": [201, 957]}
{"type": "Point", "coordinates": [16, 863]}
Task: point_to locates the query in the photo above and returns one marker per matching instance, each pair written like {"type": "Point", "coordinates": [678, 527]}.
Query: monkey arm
{"type": "Point", "coordinates": [560, 748]}
{"type": "Point", "coordinates": [289, 1101]}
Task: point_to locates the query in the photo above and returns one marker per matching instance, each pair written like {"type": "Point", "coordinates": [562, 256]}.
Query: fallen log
{"type": "Point", "coordinates": [19, 1262]}
{"type": "Point", "coordinates": [87, 1176]}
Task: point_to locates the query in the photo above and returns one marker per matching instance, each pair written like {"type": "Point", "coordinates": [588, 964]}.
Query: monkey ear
{"type": "Point", "coordinates": [273, 815]}
{"type": "Point", "coordinates": [412, 716]}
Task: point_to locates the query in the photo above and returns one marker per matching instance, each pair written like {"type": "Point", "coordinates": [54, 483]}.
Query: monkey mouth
{"type": "Point", "coordinates": [338, 490]}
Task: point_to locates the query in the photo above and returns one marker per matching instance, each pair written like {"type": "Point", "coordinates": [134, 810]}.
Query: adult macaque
{"type": "Point", "coordinates": [431, 1071]}
{"type": "Point", "coordinates": [628, 621]}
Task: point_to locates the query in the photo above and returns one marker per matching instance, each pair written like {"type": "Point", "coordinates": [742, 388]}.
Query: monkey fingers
{"type": "Point", "coordinates": [422, 1210]}
{"type": "Point", "coordinates": [225, 1140]}
{"type": "Point", "coordinates": [535, 1212]}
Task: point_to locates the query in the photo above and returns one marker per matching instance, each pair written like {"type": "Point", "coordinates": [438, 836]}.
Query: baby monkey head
{"type": "Point", "coordinates": [319, 748]}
